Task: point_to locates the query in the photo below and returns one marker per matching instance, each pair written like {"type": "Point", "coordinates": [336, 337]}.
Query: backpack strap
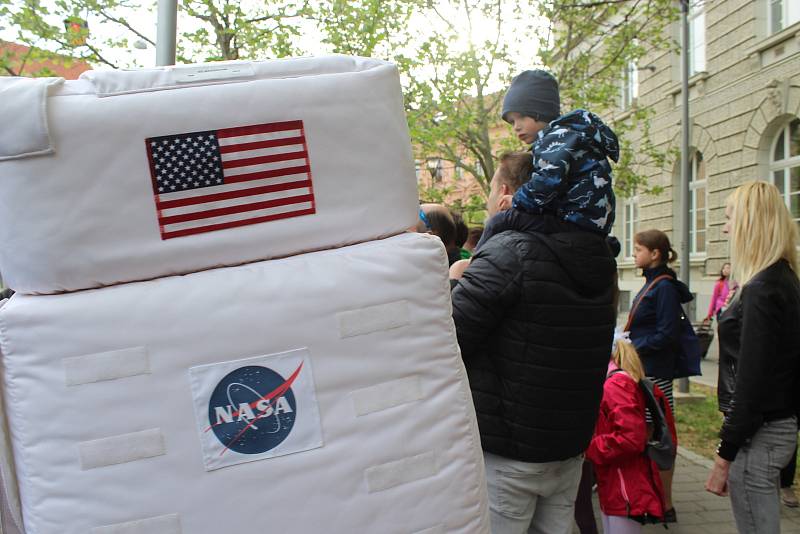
{"type": "Point", "coordinates": [641, 297]}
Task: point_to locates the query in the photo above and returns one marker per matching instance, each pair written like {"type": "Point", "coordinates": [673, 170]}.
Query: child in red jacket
{"type": "Point", "coordinates": [628, 483]}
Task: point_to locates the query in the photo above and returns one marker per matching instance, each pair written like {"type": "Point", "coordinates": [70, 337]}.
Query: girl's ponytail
{"type": "Point", "coordinates": [673, 256]}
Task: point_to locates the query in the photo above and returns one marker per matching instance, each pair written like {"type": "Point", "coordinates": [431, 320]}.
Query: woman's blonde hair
{"type": "Point", "coordinates": [627, 359]}
{"type": "Point", "coordinates": [761, 230]}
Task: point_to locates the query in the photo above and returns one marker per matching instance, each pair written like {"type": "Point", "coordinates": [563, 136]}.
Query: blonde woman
{"type": "Point", "coordinates": [759, 358]}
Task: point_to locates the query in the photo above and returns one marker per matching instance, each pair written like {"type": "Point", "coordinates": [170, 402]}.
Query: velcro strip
{"type": "Point", "coordinates": [165, 524]}
{"type": "Point", "coordinates": [121, 449]}
{"type": "Point", "coordinates": [387, 395]}
{"type": "Point", "coordinates": [106, 366]}
{"type": "Point", "coordinates": [373, 319]}
{"type": "Point", "coordinates": [389, 475]}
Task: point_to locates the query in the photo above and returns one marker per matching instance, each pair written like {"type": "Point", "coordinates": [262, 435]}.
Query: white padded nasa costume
{"type": "Point", "coordinates": [167, 384]}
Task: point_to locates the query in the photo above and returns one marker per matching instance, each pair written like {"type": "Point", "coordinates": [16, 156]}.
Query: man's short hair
{"type": "Point", "coordinates": [515, 168]}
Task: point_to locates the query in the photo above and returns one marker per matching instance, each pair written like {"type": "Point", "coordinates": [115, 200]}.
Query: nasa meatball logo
{"type": "Point", "coordinates": [256, 408]}
{"type": "Point", "coordinates": [253, 409]}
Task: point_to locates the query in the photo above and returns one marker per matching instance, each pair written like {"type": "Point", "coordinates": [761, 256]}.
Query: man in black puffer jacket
{"type": "Point", "coordinates": [535, 319]}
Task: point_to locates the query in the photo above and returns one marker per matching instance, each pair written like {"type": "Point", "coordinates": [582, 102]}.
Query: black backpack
{"type": "Point", "coordinates": [660, 447]}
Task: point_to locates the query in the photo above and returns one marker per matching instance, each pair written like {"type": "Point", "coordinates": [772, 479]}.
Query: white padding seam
{"type": "Point", "coordinates": [387, 395]}
{"type": "Point", "coordinates": [373, 319]}
{"type": "Point", "coordinates": [438, 529]}
{"type": "Point", "coordinates": [121, 449]}
{"type": "Point", "coordinates": [106, 366]}
{"type": "Point", "coordinates": [389, 475]}
{"type": "Point", "coordinates": [165, 524]}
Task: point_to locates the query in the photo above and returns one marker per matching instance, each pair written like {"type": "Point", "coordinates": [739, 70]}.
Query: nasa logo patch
{"type": "Point", "coordinates": [256, 408]}
{"type": "Point", "coordinates": [252, 409]}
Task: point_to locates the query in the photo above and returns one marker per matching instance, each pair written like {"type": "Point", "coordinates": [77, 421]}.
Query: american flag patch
{"type": "Point", "coordinates": [217, 179]}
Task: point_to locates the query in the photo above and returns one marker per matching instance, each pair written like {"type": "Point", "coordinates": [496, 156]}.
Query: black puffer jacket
{"type": "Point", "coordinates": [759, 356]}
{"type": "Point", "coordinates": [535, 320]}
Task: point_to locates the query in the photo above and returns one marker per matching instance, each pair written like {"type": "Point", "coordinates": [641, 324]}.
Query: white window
{"type": "Point", "coordinates": [436, 168]}
{"type": "Point", "coordinates": [781, 14]}
{"type": "Point", "coordinates": [697, 39]}
{"type": "Point", "coordinates": [697, 204]}
{"type": "Point", "coordinates": [630, 85]}
{"type": "Point", "coordinates": [785, 166]}
{"type": "Point", "coordinates": [630, 221]}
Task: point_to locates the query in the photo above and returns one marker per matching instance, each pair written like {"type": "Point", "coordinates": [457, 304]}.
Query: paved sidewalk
{"type": "Point", "coordinates": [700, 512]}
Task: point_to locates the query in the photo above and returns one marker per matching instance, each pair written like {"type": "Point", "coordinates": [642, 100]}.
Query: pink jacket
{"type": "Point", "coordinates": [718, 297]}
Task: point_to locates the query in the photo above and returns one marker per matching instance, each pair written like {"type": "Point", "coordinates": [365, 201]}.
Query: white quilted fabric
{"type": "Point", "coordinates": [83, 214]}
{"type": "Point", "coordinates": [120, 448]}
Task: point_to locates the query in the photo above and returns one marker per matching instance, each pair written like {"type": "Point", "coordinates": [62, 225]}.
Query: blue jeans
{"type": "Point", "coordinates": [533, 498]}
{"type": "Point", "coordinates": [753, 481]}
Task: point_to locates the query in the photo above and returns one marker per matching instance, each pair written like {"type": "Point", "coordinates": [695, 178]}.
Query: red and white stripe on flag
{"type": "Point", "coordinates": [218, 179]}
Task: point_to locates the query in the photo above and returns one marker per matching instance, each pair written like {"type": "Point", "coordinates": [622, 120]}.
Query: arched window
{"type": "Point", "coordinates": [785, 166]}
{"type": "Point", "coordinates": [697, 204]}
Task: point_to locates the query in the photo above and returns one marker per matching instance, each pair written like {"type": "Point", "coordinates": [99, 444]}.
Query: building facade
{"type": "Point", "coordinates": [18, 60]}
{"type": "Point", "coordinates": [745, 124]}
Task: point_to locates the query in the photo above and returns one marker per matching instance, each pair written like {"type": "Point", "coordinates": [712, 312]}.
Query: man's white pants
{"type": "Point", "coordinates": [533, 498]}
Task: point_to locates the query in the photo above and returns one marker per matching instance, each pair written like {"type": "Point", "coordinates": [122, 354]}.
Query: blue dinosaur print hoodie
{"type": "Point", "coordinates": [571, 173]}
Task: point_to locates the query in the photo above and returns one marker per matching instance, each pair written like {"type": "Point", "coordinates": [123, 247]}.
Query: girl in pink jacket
{"type": "Point", "coordinates": [721, 290]}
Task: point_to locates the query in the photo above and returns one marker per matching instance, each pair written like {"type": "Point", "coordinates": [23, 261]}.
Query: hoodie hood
{"type": "Point", "coordinates": [683, 290]}
{"type": "Point", "coordinates": [594, 130]}
{"type": "Point", "coordinates": [585, 257]}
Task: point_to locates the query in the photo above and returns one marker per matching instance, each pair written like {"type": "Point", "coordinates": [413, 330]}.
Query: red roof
{"type": "Point", "coordinates": [59, 65]}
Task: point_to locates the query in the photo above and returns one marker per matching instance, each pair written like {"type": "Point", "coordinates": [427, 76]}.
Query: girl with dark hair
{"type": "Point", "coordinates": [721, 290]}
{"type": "Point", "coordinates": [655, 323]}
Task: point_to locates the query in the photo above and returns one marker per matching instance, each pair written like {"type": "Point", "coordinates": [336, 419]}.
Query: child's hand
{"type": "Point", "coordinates": [458, 268]}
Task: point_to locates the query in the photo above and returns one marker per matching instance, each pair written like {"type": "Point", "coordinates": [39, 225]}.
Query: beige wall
{"type": "Point", "coordinates": [750, 90]}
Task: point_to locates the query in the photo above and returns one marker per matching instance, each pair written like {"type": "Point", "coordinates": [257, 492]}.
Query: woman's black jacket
{"type": "Point", "coordinates": [759, 356]}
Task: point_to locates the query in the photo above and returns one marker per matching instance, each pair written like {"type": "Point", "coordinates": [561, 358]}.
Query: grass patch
{"type": "Point", "coordinates": [698, 424]}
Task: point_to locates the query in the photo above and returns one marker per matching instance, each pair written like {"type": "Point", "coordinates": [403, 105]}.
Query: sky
{"type": "Point", "coordinates": [145, 21]}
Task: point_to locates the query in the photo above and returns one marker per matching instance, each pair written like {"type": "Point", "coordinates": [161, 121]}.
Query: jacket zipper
{"type": "Point", "coordinates": [624, 491]}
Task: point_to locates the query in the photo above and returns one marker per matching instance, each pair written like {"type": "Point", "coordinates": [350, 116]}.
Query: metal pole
{"type": "Point", "coordinates": [683, 383]}
{"type": "Point", "coordinates": [167, 27]}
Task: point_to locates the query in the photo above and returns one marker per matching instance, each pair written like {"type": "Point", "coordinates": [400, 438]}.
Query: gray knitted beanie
{"type": "Point", "coordinates": [533, 93]}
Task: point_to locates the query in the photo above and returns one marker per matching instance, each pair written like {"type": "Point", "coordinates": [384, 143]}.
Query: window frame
{"type": "Point", "coordinates": [695, 14]}
{"type": "Point", "coordinates": [785, 165]}
{"type": "Point", "coordinates": [629, 86]}
{"type": "Point", "coordinates": [629, 225]}
{"type": "Point", "coordinates": [790, 14]}
{"type": "Point", "coordinates": [694, 185]}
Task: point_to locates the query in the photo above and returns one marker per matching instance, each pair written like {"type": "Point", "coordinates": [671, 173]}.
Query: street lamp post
{"type": "Point", "coordinates": [685, 271]}
{"type": "Point", "coordinates": [166, 32]}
